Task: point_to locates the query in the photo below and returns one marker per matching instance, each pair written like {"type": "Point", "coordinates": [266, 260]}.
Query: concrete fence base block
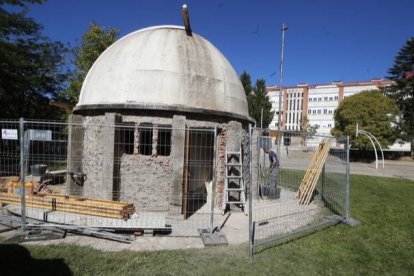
{"type": "Point", "coordinates": [351, 221]}
{"type": "Point", "coordinates": [213, 239]}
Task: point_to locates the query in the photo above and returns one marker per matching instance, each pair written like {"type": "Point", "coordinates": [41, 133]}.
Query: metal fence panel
{"type": "Point", "coordinates": [79, 173]}
{"type": "Point", "coordinates": [276, 212]}
{"type": "Point", "coordinates": [140, 176]}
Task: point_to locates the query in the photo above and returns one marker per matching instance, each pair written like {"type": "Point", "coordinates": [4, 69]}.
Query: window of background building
{"type": "Point", "coordinates": [336, 97]}
{"type": "Point", "coordinates": [309, 111]}
{"type": "Point", "coordinates": [330, 111]}
{"type": "Point", "coordinates": [331, 98]}
{"type": "Point", "coordinates": [314, 111]}
{"type": "Point", "coordinates": [325, 111]}
{"type": "Point", "coordinates": [325, 98]}
{"type": "Point", "coordinates": [319, 111]}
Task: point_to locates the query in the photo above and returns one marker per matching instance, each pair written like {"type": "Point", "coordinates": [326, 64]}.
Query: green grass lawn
{"type": "Point", "coordinates": [382, 244]}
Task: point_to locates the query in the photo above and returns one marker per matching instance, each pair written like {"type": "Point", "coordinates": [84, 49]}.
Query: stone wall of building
{"type": "Point", "coordinates": [75, 153]}
{"type": "Point", "coordinates": [232, 136]}
{"type": "Point", "coordinates": [93, 157]}
{"type": "Point", "coordinates": [146, 181]}
{"type": "Point", "coordinates": [150, 182]}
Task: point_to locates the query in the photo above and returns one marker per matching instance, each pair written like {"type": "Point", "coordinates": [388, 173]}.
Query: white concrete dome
{"type": "Point", "coordinates": [162, 68]}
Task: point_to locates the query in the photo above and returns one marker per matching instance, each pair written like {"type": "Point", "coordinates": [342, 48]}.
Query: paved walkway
{"type": "Point", "coordinates": [398, 169]}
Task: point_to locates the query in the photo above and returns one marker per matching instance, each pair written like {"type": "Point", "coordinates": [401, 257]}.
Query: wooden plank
{"type": "Point", "coordinates": [83, 199]}
{"type": "Point", "coordinates": [67, 204]}
{"type": "Point", "coordinates": [316, 172]}
{"type": "Point", "coordinates": [70, 210]}
{"type": "Point", "coordinates": [321, 162]}
{"type": "Point", "coordinates": [68, 200]}
{"type": "Point", "coordinates": [58, 205]}
{"type": "Point", "coordinates": [313, 167]}
{"type": "Point", "coordinates": [311, 177]}
{"type": "Point", "coordinates": [308, 173]}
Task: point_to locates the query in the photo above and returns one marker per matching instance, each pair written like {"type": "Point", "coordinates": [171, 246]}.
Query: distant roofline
{"type": "Point", "coordinates": [375, 81]}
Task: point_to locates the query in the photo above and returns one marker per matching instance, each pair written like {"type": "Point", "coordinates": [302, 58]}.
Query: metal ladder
{"type": "Point", "coordinates": [234, 176]}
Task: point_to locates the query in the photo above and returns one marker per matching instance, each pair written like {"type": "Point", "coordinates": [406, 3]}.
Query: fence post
{"type": "Point", "coordinates": [213, 183]}
{"type": "Point", "coordinates": [347, 203]}
{"type": "Point", "coordinates": [250, 196]}
{"type": "Point", "coordinates": [323, 181]}
{"type": "Point", "coordinates": [22, 173]}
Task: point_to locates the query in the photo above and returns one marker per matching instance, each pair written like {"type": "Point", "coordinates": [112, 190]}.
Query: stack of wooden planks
{"type": "Point", "coordinates": [308, 184]}
{"type": "Point", "coordinates": [73, 204]}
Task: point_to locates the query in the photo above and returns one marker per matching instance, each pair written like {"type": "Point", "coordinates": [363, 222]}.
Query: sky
{"type": "Point", "coordinates": [326, 40]}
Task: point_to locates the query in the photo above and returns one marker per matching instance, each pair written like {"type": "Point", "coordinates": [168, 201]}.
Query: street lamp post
{"type": "Point", "coordinates": [279, 121]}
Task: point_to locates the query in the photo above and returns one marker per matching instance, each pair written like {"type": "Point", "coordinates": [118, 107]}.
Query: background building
{"type": "Point", "coordinates": [318, 102]}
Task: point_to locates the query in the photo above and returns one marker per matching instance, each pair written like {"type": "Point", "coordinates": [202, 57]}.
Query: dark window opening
{"type": "Point", "coordinates": [164, 141]}
{"type": "Point", "coordinates": [145, 139]}
{"type": "Point", "coordinates": [126, 138]}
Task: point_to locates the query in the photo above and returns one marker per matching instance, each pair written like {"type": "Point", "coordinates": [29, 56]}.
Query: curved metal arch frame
{"type": "Point", "coordinates": [370, 137]}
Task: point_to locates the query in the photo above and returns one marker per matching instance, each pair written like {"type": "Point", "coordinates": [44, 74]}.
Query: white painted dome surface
{"type": "Point", "coordinates": [163, 68]}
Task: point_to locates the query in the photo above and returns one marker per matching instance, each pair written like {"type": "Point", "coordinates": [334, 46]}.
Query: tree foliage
{"type": "Point", "coordinates": [373, 112]}
{"type": "Point", "coordinates": [306, 129]}
{"type": "Point", "coordinates": [402, 73]}
{"type": "Point", "coordinates": [94, 42]}
{"type": "Point", "coordinates": [259, 100]}
{"type": "Point", "coordinates": [246, 82]}
{"type": "Point", "coordinates": [31, 66]}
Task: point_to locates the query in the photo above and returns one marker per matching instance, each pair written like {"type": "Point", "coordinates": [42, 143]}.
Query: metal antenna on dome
{"type": "Point", "coordinates": [186, 18]}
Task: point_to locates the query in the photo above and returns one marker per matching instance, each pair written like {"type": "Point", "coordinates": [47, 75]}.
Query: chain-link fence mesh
{"type": "Point", "coordinates": [132, 176]}
{"type": "Point", "coordinates": [278, 214]}
{"type": "Point", "coordinates": [126, 176]}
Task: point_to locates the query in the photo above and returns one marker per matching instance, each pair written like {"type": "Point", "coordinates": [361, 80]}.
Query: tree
{"type": "Point", "coordinates": [373, 112]}
{"type": "Point", "coordinates": [402, 73]}
{"type": "Point", "coordinates": [32, 68]}
{"type": "Point", "coordinates": [246, 82]}
{"type": "Point", "coordinates": [94, 42]}
{"type": "Point", "coordinates": [258, 101]}
{"type": "Point", "coordinates": [306, 129]}
{"type": "Point", "coordinates": [248, 89]}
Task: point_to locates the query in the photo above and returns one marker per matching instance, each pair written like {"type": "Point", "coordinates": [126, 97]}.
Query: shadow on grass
{"type": "Point", "coordinates": [16, 260]}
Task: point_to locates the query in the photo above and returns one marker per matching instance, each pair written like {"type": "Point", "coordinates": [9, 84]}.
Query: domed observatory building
{"type": "Point", "coordinates": [143, 129]}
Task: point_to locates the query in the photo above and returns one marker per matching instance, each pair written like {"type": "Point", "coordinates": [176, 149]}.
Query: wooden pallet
{"type": "Point", "coordinates": [308, 184]}
{"type": "Point", "coordinates": [73, 204]}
